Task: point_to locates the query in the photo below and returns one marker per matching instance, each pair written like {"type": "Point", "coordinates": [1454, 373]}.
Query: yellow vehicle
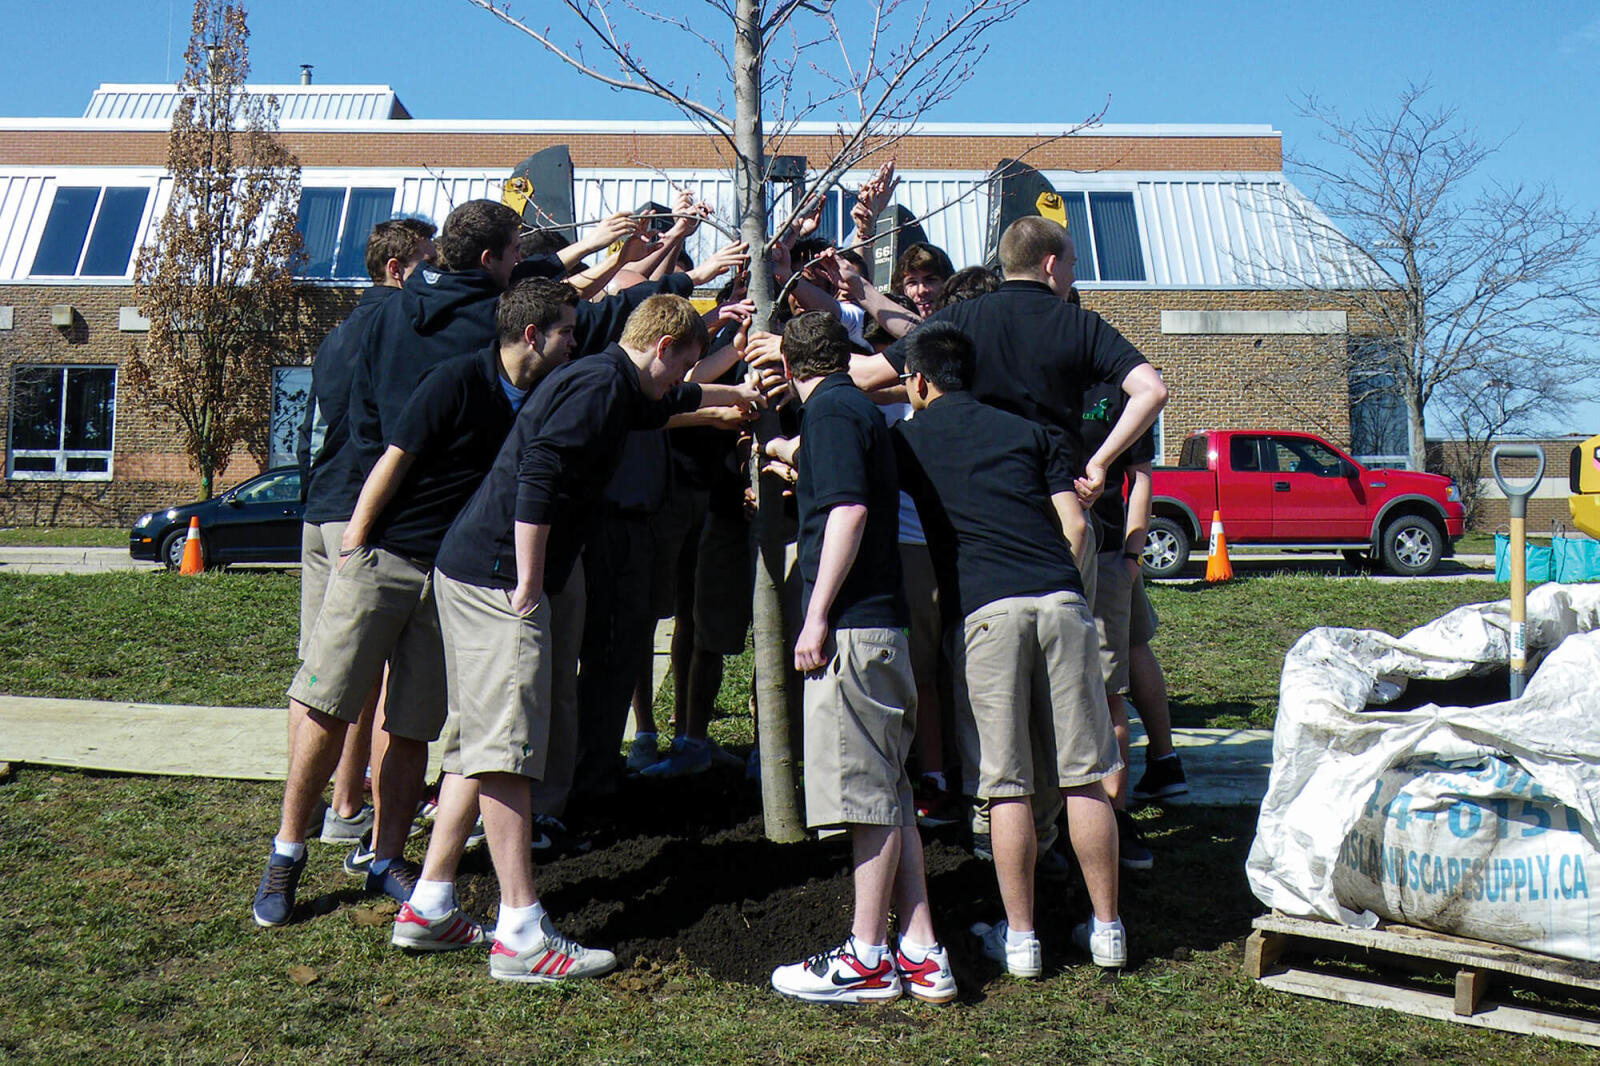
{"type": "Point", "coordinates": [1584, 503]}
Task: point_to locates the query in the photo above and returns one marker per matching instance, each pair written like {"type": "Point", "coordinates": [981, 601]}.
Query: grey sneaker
{"type": "Point", "coordinates": [1022, 960]}
{"type": "Point", "coordinates": [642, 752]}
{"type": "Point", "coordinates": [553, 958]}
{"type": "Point", "coordinates": [450, 932]}
{"type": "Point", "coordinates": [1108, 948]}
{"type": "Point", "coordinates": [337, 829]}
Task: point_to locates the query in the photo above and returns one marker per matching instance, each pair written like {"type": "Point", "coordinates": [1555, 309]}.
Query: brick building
{"type": "Point", "coordinates": [1189, 240]}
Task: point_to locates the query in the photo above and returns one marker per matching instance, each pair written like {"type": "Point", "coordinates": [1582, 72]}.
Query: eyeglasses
{"type": "Point", "coordinates": [908, 375]}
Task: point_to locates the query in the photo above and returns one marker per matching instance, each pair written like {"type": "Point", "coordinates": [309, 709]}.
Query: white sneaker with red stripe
{"type": "Point", "coordinates": [450, 933]}
{"type": "Point", "coordinates": [553, 958]}
{"type": "Point", "coordinates": [838, 976]}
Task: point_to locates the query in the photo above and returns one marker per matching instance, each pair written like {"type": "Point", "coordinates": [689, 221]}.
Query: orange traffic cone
{"type": "Point", "coordinates": [193, 561]}
{"type": "Point", "coordinates": [1218, 568]}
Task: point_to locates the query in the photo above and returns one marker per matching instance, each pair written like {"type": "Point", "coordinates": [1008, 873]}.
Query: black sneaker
{"type": "Point", "coordinates": [1163, 778]}
{"type": "Point", "coordinates": [358, 863]}
{"type": "Point", "coordinates": [1053, 866]}
{"type": "Point", "coordinates": [982, 848]}
{"type": "Point", "coordinates": [1130, 844]}
{"type": "Point", "coordinates": [396, 881]}
{"type": "Point", "coordinates": [274, 902]}
{"type": "Point", "coordinates": [552, 839]}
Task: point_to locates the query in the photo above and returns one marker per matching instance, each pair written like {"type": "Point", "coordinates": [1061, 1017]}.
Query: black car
{"type": "Point", "coordinates": [255, 522]}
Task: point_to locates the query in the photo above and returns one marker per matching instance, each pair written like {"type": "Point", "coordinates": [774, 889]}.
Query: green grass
{"type": "Point", "coordinates": [64, 537]}
{"type": "Point", "coordinates": [127, 939]}
{"type": "Point", "coordinates": [1222, 646]}
{"type": "Point", "coordinates": [124, 911]}
{"type": "Point", "coordinates": [218, 639]}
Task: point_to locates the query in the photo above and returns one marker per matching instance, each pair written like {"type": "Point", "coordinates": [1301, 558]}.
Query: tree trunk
{"type": "Point", "coordinates": [1416, 432]}
{"type": "Point", "coordinates": [774, 715]}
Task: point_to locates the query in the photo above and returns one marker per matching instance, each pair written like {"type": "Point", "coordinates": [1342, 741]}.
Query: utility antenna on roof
{"type": "Point", "coordinates": [305, 73]}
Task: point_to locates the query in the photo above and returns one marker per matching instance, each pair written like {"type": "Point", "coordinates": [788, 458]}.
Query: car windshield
{"type": "Point", "coordinates": [274, 488]}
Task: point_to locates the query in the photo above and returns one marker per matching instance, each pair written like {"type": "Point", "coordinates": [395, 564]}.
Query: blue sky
{"type": "Point", "coordinates": [1525, 73]}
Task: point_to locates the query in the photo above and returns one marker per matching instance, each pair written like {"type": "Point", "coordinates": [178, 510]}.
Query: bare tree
{"type": "Point", "coordinates": [785, 61]}
{"type": "Point", "coordinates": [218, 282]}
{"type": "Point", "coordinates": [1483, 297]}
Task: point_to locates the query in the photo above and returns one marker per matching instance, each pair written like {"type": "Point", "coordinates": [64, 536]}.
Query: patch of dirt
{"type": "Point", "coordinates": [681, 869]}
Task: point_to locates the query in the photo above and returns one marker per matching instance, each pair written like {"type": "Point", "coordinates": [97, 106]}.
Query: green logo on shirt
{"type": "Point", "coordinates": [1100, 412]}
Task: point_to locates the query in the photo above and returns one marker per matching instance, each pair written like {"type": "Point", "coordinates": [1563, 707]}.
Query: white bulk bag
{"type": "Point", "coordinates": [1331, 753]}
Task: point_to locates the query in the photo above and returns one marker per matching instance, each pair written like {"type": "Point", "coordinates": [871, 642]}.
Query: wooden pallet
{"type": "Point", "coordinates": [1302, 956]}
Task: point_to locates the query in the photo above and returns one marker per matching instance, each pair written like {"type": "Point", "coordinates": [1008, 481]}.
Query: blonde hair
{"type": "Point", "coordinates": [668, 316]}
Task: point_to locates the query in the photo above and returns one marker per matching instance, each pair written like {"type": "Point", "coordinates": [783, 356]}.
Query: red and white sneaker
{"type": "Point", "coordinates": [450, 933]}
{"type": "Point", "coordinates": [837, 976]}
{"type": "Point", "coordinates": [929, 980]}
{"type": "Point", "coordinates": [553, 958]}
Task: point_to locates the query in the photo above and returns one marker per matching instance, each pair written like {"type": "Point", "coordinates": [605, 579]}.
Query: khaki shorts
{"type": "Point", "coordinates": [497, 672]}
{"type": "Point", "coordinates": [567, 607]}
{"type": "Point", "coordinates": [319, 549]}
{"type": "Point", "coordinates": [378, 607]}
{"type": "Point", "coordinates": [722, 576]}
{"type": "Point", "coordinates": [1142, 618]}
{"type": "Point", "coordinates": [1112, 607]}
{"type": "Point", "coordinates": [860, 716]}
{"type": "Point", "coordinates": [922, 594]}
{"type": "Point", "coordinates": [1027, 674]}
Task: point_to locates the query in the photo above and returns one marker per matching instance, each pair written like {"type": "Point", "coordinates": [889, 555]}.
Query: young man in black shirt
{"type": "Point", "coordinates": [394, 251]}
{"type": "Point", "coordinates": [860, 697]}
{"type": "Point", "coordinates": [510, 587]}
{"type": "Point", "coordinates": [1007, 534]}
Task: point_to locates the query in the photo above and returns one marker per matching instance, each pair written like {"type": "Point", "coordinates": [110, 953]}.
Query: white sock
{"type": "Point", "coordinates": [1016, 939]}
{"type": "Point", "coordinates": [1097, 926]}
{"type": "Point", "coordinates": [433, 899]}
{"type": "Point", "coordinates": [869, 954]}
{"type": "Point", "coordinates": [937, 777]}
{"type": "Point", "coordinates": [293, 851]}
{"type": "Point", "coordinates": [913, 950]}
{"type": "Point", "coordinates": [518, 927]}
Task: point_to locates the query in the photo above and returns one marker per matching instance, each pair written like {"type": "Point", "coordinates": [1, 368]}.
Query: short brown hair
{"type": "Point", "coordinates": [475, 227]}
{"type": "Point", "coordinates": [397, 238]}
{"type": "Point", "coordinates": [664, 315]}
{"type": "Point", "coordinates": [923, 258]}
{"type": "Point", "coordinates": [815, 344]}
{"type": "Point", "coordinates": [531, 302]}
{"type": "Point", "coordinates": [1027, 242]}
{"type": "Point", "coordinates": [966, 284]}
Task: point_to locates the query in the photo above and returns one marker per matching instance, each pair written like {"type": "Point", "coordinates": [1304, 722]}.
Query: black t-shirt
{"type": "Point", "coordinates": [982, 479]}
{"type": "Point", "coordinates": [454, 424]}
{"type": "Point", "coordinates": [1036, 356]}
{"type": "Point", "coordinates": [564, 445]}
{"type": "Point", "coordinates": [845, 457]}
{"type": "Point", "coordinates": [1102, 406]}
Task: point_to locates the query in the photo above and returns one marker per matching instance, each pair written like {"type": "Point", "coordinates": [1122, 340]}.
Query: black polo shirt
{"type": "Point", "coordinates": [454, 424]}
{"type": "Point", "coordinates": [565, 444]}
{"type": "Point", "coordinates": [846, 457]}
{"type": "Point", "coordinates": [1102, 406]}
{"type": "Point", "coordinates": [1036, 356]}
{"type": "Point", "coordinates": [982, 479]}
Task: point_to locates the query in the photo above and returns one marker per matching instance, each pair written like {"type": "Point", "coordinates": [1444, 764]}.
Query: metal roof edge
{"type": "Point", "coordinates": [623, 126]}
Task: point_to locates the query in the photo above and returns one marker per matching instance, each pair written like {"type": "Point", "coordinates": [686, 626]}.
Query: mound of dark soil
{"type": "Point", "coordinates": [682, 868]}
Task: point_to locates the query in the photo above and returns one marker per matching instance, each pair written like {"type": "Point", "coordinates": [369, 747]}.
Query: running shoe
{"type": "Point", "coordinates": [837, 976]}
{"type": "Point", "coordinates": [451, 932]}
{"type": "Point", "coordinates": [274, 902]}
{"type": "Point", "coordinates": [554, 958]}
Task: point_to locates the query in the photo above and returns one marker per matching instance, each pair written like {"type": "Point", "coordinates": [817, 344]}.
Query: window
{"type": "Point", "coordinates": [61, 423]}
{"type": "Point", "coordinates": [1378, 429]}
{"type": "Point", "coordinates": [334, 225]}
{"type": "Point", "coordinates": [273, 488]}
{"type": "Point", "coordinates": [1294, 455]}
{"type": "Point", "coordinates": [90, 232]}
{"type": "Point", "coordinates": [1244, 454]}
{"type": "Point", "coordinates": [291, 391]}
{"type": "Point", "coordinates": [1104, 227]}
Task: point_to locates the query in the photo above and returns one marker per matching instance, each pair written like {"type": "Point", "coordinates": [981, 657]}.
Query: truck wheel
{"type": "Point", "coordinates": [1412, 546]}
{"type": "Point", "coordinates": [1166, 548]}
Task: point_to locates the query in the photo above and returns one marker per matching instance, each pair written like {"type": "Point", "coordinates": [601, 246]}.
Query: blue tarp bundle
{"type": "Point", "coordinates": [1564, 559]}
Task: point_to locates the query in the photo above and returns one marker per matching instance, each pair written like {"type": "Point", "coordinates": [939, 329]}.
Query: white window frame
{"type": "Point", "coordinates": [88, 236]}
{"type": "Point", "coordinates": [61, 455]}
{"type": "Point", "coordinates": [345, 190]}
{"type": "Point", "coordinates": [276, 458]}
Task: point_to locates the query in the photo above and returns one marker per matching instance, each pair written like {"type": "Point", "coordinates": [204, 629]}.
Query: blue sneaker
{"type": "Point", "coordinates": [358, 863]}
{"type": "Point", "coordinates": [396, 881]}
{"type": "Point", "coordinates": [686, 757]}
{"type": "Point", "coordinates": [274, 902]}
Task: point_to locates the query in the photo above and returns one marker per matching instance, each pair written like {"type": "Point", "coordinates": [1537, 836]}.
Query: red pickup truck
{"type": "Point", "coordinates": [1297, 491]}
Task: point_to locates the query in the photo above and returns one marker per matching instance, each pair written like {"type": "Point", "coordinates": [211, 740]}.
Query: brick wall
{"type": "Point", "coordinates": [1236, 381]}
{"type": "Point", "coordinates": [499, 151]}
{"type": "Point", "coordinates": [148, 465]}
